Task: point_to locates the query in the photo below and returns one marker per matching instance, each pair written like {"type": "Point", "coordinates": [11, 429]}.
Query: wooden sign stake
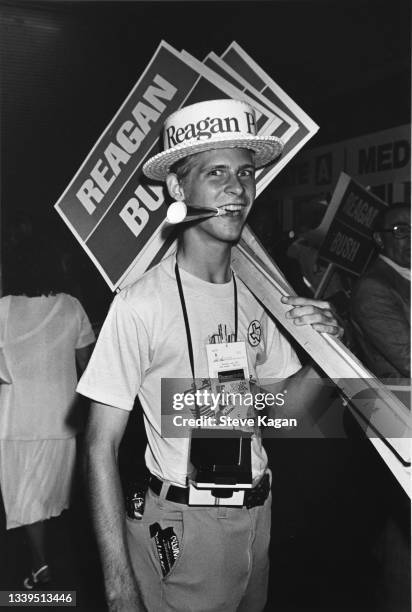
{"type": "Point", "coordinates": [366, 394]}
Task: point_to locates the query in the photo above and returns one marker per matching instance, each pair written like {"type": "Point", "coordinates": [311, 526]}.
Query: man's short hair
{"type": "Point", "coordinates": [182, 167]}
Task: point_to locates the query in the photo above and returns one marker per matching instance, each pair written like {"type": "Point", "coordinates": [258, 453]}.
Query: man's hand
{"type": "Point", "coordinates": [129, 601]}
{"type": "Point", "coordinates": [319, 314]}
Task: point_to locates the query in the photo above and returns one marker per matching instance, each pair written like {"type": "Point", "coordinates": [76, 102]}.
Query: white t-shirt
{"type": "Point", "coordinates": [38, 338]}
{"type": "Point", "coordinates": [144, 340]}
{"type": "Point", "coordinates": [404, 272]}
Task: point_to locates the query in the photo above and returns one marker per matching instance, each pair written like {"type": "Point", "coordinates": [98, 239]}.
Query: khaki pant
{"type": "Point", "coordinates": [223, 562]}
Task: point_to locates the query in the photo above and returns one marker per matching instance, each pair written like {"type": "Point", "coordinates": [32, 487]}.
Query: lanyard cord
{"type": "Point", "coordinates": [186, 318]}
{"type": "Point", "coordinates": [235, 304]}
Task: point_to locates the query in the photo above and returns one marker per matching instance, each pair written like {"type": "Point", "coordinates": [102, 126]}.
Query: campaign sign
{"type": "Point", "coordinates": [211, 84]}
{"type": "Point", "coordinates": [105, 224]}
{"type": "Point", "coordinates": [285, 127]}
{"type": "Point", "coordinates": [116, 213]}
{"type": "Point", "coordinates": [349, 243]}
{"type": "Point", "coordinates": [282, 125]}
{"type": "Point", "coordinates": [248, 70]}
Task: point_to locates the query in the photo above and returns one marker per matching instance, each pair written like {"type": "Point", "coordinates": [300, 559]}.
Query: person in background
{"type": "Point", "coordinates": [44, 333]}
{"type": "Point", "coordinates": [380, 312]}
{"type": "Point", "coordinates": [380, 303]}
{"type": "Point", "coordinates": [305, 247]}
{"type": "Point", "coordinates": [312, 274]}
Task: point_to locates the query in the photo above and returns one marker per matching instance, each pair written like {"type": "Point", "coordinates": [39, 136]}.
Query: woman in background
{"type": "Point", "coordinates": [44, 333]}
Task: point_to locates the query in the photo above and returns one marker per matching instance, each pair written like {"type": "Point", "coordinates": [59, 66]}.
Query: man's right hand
{"type": "Point", "coordinates": [127, 601]}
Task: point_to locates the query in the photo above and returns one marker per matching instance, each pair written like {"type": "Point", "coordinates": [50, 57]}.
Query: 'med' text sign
{"type": "Point", "coordinates": [349, 242]}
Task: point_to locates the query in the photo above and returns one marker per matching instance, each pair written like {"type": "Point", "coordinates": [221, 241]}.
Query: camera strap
{"type": "Point", "coordinates": [186, 318]}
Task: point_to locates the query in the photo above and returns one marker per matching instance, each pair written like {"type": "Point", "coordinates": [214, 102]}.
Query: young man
{"type": "Point", "coordinates": [159, 328]}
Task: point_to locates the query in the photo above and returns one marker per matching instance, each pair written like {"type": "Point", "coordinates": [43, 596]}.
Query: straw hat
{"type": "Point", "coordinates": [215, 124]}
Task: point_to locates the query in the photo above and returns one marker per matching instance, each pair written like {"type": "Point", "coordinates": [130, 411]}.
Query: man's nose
{"type": "Point", "coordinates": [234, 184]}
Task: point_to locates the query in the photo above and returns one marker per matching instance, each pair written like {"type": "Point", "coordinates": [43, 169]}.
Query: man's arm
{"type": "Point", "coordinates": [384, 324]}
{"type": "Point", "coordinates": [83, 355]}
{"type": "Point", "coordinates": [307, 392]}
{"type": "Point", "coordinates": [306, 397]}
{"type": "Point", "coordinates": [104, 433]}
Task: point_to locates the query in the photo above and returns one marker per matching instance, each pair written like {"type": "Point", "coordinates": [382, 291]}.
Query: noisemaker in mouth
{"type": "Point", "coordinates": [179, 212]}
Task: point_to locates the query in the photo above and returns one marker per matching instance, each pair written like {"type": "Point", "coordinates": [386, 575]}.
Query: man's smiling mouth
{"type": "Point", "coordinates": [231, 210]}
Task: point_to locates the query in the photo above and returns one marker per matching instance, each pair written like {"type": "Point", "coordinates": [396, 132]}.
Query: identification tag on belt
{"type": "Point", "coordinates": [230, 388]}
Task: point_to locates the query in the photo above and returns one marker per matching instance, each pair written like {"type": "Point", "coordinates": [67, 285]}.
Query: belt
{"type": "Point", "coordinates": [253, 497]}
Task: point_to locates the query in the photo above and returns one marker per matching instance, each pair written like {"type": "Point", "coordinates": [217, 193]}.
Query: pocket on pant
{"type": "Point", "coordinates": [167, 540]}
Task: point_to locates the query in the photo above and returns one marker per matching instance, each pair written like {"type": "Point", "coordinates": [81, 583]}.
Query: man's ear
{"type": "Point", "coordinates": [377, 238]}
{"type": "Point", "coordinates": [174, 188]}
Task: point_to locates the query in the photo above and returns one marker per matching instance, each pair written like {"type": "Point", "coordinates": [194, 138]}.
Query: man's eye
{"type": "Point", "coordinates": [215, 172]}
{"type": "Point", "coordinates": [248, 172]}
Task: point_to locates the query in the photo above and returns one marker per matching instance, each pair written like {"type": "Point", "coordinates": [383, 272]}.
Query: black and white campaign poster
{"type": "Point", "coordinates": [85, 89]}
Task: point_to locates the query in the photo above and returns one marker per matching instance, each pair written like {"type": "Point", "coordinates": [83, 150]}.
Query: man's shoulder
{"type": "Point", "coordinates": [379, 284]}
{"type": "Point", "coordinates": [378, 275]}
{"type": "Point", "coordinates": [152, 284]}
{"type": "Point", "coordinates": [375, 275]}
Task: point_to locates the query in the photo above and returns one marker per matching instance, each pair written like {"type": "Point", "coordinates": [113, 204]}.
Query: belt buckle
{"type": "Point", "coordinates": [206, 497]}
